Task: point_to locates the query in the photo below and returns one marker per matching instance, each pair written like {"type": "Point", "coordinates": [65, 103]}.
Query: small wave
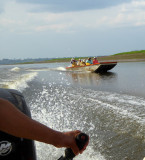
{"type": "Point", "coordinates": [47, 69]}
{"type": "Point", "coordinates": [60, 69]}
{"type": "Point", "coordinates": [15, 69]}
{"type": "Point", "coordinates": [20, 83]}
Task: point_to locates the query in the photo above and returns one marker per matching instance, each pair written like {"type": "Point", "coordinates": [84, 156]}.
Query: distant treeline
{"type": "Point", "coordinates": [16, 61]}
{"type": "Point", "coordinates": [37, 60]}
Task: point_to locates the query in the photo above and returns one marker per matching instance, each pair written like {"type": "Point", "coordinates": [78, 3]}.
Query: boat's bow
{"type": "Point", "coordinates": [105, 66]}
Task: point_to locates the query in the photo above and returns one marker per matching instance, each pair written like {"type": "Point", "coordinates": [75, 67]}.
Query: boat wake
{"type": "Point", "coordinates": [15, 69]}
{"type": "Point", "coordinates": [20, 82]}
{"type": "Point", "coordinates": [60, 69]}
{"type": "Point", "coordinates": [46, 69]}
{"type": "Point", "coordinates": [105, 116]}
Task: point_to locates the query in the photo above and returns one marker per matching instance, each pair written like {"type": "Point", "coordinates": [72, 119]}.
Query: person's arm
{"type": "Point", "coordinates": [16, 123]}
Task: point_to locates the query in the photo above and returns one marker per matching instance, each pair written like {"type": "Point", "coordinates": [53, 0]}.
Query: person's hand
{"type": "Point", "coordinates": [70, 141]}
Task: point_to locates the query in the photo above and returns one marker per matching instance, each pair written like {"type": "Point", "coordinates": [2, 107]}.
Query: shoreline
{"type": "Point", "coordinates": [138, 56]}
{"type": "Point", "coordinates": [101, 60]}
{"type": "Point", "coordinates": [125, 60]}
{"type": "Point", "coordinates": [135, 57]}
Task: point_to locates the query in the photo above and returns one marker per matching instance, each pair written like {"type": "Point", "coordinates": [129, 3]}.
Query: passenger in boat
{"type": "Point", "coordinates": [79, 62]}
{"type": "Point", "coordinates": [14, 122]}
{"type": "Point", "coordinates": [89, 61]}
{"type": "Point", "coordinates": [73, 62]}
{"type": "Point", "coordinates": [95, 60]}
{"type": "Point", "coordinates": [83, 62]}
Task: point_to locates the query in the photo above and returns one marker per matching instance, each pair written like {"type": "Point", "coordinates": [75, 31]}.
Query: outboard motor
{"type": "Point", "coordinates": [11, 147]}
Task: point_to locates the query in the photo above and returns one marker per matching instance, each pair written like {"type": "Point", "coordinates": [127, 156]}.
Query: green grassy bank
{"type": "Point", "coordinates": [126, 56]}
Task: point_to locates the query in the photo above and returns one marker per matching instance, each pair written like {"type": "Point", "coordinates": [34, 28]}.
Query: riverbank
{"type": "Point", "coordinates": [133, 56]}
{"type": "Point", "coordinates": [125, 57]}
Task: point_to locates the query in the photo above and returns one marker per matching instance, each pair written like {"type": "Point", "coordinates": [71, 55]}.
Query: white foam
{"type": "Point", "coordinates": [20, 82]}
{"type": "Point", "coordinates": [50, 112]}
{"type": "Point", "coordinates": [60, 69]}
{"type": "Point", "coordinates": [15, 69]}
{"type": "Point", "coordinates": [45, 152]}
{"type": "Point", "coordinates": [48, 69]}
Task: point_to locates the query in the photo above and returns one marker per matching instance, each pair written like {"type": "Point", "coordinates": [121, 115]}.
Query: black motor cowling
{"type": "Point", "coordinates": [11, 147]}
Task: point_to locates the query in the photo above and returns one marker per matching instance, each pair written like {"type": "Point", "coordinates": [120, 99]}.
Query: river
{"type": "Point", "coordinates": [109, 107]}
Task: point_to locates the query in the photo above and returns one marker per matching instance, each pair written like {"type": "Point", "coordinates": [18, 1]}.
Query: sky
{"type": "Point", "coordinates": [70, 28]}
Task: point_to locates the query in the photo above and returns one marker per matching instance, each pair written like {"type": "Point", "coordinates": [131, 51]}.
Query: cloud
{"type": "Point", "coordinates": [73, 5]}
{"type": "Point", "coordinates": [17, 18]}
{"type": "Point", "coordinates": [1, 10]}
{"type": "Point", "coordinates": [1, 7]}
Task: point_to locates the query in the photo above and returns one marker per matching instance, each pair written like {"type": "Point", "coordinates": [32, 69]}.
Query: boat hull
{"type": "Point", "coordinates": [97, 68]}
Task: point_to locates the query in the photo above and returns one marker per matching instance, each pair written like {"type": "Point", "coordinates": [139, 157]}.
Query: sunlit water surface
{"type": "Point", "coordinates": [109, 107]}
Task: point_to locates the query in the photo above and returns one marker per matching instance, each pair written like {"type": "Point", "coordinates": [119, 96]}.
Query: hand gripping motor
{"type": "Point", "coordinates": [81, 141]}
